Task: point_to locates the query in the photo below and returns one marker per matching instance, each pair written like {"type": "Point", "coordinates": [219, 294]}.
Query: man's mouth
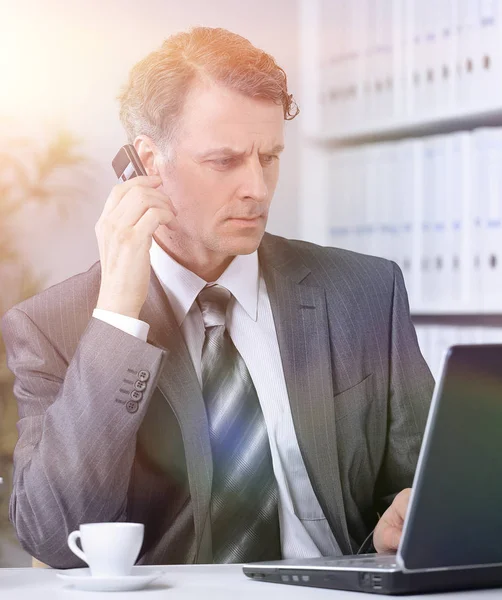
{"type": "Point", "coordinates": [247, 217]}
{"type": "Point", "coordinates": [246, 220]}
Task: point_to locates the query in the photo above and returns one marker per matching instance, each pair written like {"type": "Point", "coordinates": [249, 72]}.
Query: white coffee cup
{"type": "Point", "coordinates": [110, 549]}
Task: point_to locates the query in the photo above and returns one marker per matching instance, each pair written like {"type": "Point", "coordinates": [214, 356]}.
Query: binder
{"type": "Point", "coordinates": [409, 57]}
{"type": "Point", "coordinates": [447, 39]}
{"type": "Point", "coordinates": [380, 64]}
{"type": "Point", "coordinates": [490, 53]}
{"type": "Point", "coordinates": [354, 14]}
{"type": "Point", "coordinates": [399, 66]}
{"type": "Point", "coordinates": [429, 290]}
{"type": "Point", "coordinates": [434, 279]}
{"type": "Point", "coordinates": [489, 191]}
{"type": "Point", "coordinates": [431, 57]}
{"type": "Point", "coordinates": [359, 37]}
{"type": "Point", "coordinates": [388, 30]}
{"type": "Point", "coordinates": [426, 29]}
{"type": "Point", "coordinates": [457, 201]}
{"type": "Point", "coordinates": [407, 201]}
{"type": "Point", "coordinates": [419, 58]}
{"type": "Point", "coordinates": [376, 60]}
{"type": "Point", "coordinates": [441, 275]}
{"type": "Point", "coordinates": [466, 179]}
{"type": "Point", "coordinates": [418, 217]}
{"type": "Point", "coordinates": [474, 226]}
{"type": "Point", "coordinates": [468, 74]}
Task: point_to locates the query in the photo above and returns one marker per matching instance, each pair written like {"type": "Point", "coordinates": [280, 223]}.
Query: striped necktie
{"type": "Point", "coordinates": [244, 512]}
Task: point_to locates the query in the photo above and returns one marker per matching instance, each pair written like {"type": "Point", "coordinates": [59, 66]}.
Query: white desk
{"type": "Point", "coordinates": [189, 582]}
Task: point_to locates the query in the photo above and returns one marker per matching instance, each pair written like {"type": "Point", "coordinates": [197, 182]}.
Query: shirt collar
{"type": "Point", "coordinates": [182, 286]}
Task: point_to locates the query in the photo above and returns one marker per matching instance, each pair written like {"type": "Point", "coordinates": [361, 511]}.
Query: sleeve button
{"type": "Point", "coordinates": [140, 386]}
{"type": "Point", "coordinates": [132, 407]}
{"type": "Point", "coordinates": [136, 396]}
{"type": "Point", "coordinates": [144, 375]}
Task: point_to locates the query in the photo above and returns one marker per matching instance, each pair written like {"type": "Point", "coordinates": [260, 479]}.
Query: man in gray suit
{"type": "Point", "coordinates": [244, 396]}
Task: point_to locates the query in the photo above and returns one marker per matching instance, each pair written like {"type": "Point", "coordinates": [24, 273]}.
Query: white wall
{"type": "Point", "coordinates": [63, 63]}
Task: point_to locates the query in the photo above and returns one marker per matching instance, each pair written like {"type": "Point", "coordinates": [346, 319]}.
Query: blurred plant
{"type": "Point", "coordinates": [30, 176]}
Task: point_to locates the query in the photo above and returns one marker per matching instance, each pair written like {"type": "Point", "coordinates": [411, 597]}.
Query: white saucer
{"type": "Point", "coordinates": [82, 580]}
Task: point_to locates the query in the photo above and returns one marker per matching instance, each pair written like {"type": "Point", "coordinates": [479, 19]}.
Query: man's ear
{"type": "Point", "coordinates": [148, 152]}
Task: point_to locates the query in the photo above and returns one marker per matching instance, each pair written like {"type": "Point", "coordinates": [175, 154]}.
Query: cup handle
{"type": "Point", "coordinates": [72, 542]}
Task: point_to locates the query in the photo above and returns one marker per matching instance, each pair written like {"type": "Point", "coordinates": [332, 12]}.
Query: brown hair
{"type": "Point", "coordinates": [153, 98]}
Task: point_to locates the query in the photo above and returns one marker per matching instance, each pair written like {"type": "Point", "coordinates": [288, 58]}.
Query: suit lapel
{"type": "Point", "coordinates": [179, 384]}
{"type": "Point", "coordinates": [301, 322]}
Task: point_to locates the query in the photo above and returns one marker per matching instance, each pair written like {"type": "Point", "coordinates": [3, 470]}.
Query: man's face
{"type": "Point", "coordinates": [225, 170]}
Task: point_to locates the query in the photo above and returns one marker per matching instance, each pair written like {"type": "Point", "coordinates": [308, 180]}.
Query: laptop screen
{"type": "Point", "coordinates": [455, 514]}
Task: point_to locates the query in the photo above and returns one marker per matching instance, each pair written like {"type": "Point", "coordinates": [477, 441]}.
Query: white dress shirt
{"type": "Point", "coordinates": [304, 529]}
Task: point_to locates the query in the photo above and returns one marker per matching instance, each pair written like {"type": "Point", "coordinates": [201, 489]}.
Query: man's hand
{"type": "Point", "coordinates": [132, 213]}
{"type": "Point", "coordinates": [388, 530]}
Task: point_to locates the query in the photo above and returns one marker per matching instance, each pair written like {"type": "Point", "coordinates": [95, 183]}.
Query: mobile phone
{"type": "Point", "coordinates": [127, 164]}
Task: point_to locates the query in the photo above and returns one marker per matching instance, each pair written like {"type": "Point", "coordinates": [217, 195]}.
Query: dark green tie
{"type": "Point", "coordinates": [244, 513]}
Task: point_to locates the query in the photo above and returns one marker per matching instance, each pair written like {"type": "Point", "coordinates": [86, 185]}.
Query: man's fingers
{"type": "Point", "coordinates": [401, 502]}
{"type": "Point", "coordinates": [389, 539]}
{"type": "Point", "coordinates": [152, 218]}
{"type": "Point", "coordinates": [121, 189]}
{"type": "Point", "coordinates": [389, 528]}
{"type": "Point", "coordinates": [134, 205]}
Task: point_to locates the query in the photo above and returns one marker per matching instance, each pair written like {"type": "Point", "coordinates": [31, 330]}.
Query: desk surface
{"type": "Point", "coordinates": [206, 582]}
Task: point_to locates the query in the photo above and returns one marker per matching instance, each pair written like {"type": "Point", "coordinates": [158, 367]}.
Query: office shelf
{"type": "Point", "coordinates": [468, 319]}
{"type": "Point", "coordinates": [403, 128]}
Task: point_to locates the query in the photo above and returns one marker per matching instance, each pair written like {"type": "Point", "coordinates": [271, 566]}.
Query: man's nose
{"type": "Point", "coordinates": [254, 186]}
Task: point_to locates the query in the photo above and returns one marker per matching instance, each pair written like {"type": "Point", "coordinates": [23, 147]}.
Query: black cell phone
{"type": "Point", "coordinates": [127, 164]}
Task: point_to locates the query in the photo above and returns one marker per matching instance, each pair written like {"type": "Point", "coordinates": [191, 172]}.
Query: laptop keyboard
{"type": "Point", "coordinates": [384, 561]}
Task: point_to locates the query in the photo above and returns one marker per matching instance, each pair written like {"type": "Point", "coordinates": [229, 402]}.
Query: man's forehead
{"type": "Point", "coordinates": [227, 124]}
{"type": "Point", "coordinates": [215, 107]}
{"type": "Point", "coordinates": [235, 137]}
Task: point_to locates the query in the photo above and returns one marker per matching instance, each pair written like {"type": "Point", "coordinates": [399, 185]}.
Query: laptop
{"type": "Point", "coordinates": [452, 535]}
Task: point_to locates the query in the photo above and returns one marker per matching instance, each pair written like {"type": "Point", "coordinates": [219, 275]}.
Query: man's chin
{"type": "Point", "coordinates": [242, 244]}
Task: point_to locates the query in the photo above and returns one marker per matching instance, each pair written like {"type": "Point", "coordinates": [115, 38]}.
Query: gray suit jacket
{"type": "Point", "coordinates": [358, 386]}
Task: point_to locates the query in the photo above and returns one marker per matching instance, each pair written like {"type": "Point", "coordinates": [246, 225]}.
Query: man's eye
{"type": "Point", "coordinates": [268, 159]}
{"type": "Point", "coordinates": [223, 162]}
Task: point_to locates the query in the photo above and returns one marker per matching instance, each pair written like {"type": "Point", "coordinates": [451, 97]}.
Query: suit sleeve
{"type": "Point", "coordinates": [410, 392]}
{"type": "Point", "coordinates": [77, 430]}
